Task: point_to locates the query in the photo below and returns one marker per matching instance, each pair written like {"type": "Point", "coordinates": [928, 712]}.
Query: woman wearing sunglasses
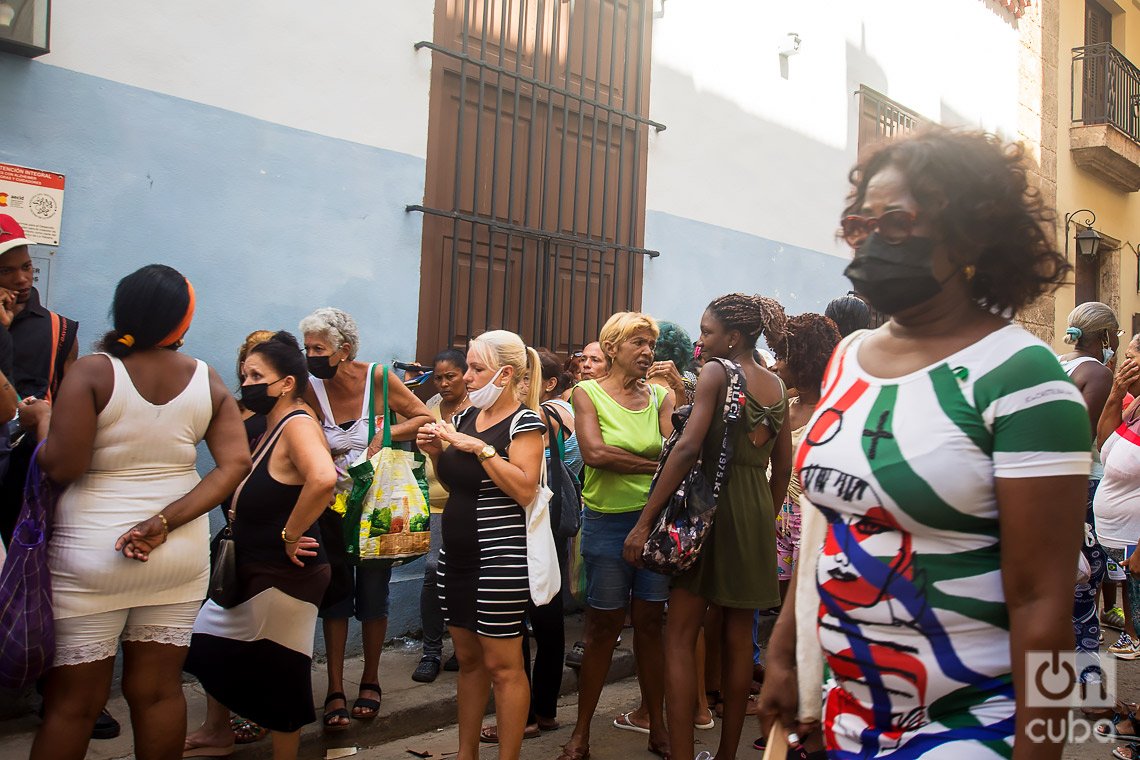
{"type": "Point", "coordinates": [948, 455]}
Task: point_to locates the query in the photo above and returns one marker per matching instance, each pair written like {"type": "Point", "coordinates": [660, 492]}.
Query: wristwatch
{"type": "Point", "coordinates": [486, 453]}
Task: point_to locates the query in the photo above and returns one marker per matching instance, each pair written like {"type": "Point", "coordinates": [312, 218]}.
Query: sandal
{"type": "Point", "coordinates": [246, 731]}
{"type": "Point", "coordinates": [490, 734]}
{"type": "Point", "coordinates": [1113, 731]}
{"type": "Point", "coordinates": [333, 715]}
{"type": "Point", "coordinates": [625, 724]}
{"type": "Point", "coordinates": [582, 753]}
{"type": "Point", "coordinates": [365, 703]}
{"type": "Point", "coordinates": [547, 724]}
{"type": "Point", "coordinates": [1133, 752]}
{"type": "Point", "coordinates": [193, 749]}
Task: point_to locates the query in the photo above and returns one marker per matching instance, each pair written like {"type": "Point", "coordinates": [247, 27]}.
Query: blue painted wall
{"type": "Point", "coordinates": [701, 261]}
{"type": "Point", "coordinates": [268, 222]}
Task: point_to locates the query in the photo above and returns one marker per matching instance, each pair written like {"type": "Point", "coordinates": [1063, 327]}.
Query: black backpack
{"type": "Point", "coordinates": [675, 541]}
{"type": "Point", "coordinates": [566, 503]}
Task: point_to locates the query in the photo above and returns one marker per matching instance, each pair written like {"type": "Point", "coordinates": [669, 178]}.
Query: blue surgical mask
{"type": "Point", "coordinates": [1108, 354]}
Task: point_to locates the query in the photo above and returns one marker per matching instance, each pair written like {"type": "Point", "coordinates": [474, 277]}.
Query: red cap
{"type": "Point", "coordinates": [11, 234]}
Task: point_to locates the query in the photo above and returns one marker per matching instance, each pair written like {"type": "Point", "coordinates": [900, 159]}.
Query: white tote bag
{"type": "Point", "coordinates": [541, 553]}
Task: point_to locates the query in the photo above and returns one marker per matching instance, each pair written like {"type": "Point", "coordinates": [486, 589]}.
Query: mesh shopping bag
{"type": "Point", "coordinates": [27, 630]}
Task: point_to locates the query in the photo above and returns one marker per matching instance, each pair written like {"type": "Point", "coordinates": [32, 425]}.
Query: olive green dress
{"type": "Point", "coordinates": [737, 564]}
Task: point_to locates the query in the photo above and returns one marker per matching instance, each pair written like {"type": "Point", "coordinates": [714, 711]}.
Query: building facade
{"type": "Point", "coordinates": [438, 167]}
{"type": "Point", "coordinates": [1098, 173]}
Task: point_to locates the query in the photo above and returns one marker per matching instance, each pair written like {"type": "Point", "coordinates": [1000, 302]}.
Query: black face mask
{"type": "Point", "coordinates": [256, 398]}
{"type": "Point", "coordinates": [894, 278]}
{"type": "Point", "coordinates": [320, 368]}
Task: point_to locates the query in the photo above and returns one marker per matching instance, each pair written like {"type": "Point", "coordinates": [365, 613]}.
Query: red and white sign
{"type": "Point", "coordinates": [34, 198]}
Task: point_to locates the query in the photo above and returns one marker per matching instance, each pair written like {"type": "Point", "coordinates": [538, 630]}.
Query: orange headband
{"type": "Point", "coordinates": [184, 325]}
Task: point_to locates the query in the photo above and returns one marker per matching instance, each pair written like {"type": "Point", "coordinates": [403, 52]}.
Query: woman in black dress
{"type": "Point", "coordinates": [256, 657]}
{"type": "Point", "coordinates": [491, 468]}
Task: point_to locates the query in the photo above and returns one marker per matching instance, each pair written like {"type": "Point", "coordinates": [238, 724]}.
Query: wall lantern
{"type": "Point", "coordinates": [1088, 239]}
{"type": "Point", "coordinates": [25, 27]}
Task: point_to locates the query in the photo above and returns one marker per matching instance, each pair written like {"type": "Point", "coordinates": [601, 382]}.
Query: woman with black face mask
{"type": "Point", "coordinates": [339, 390]}
{"type": "Point", "coordinates": [256, 657]}
{"type": "Point", "coordinates": [945, 473]}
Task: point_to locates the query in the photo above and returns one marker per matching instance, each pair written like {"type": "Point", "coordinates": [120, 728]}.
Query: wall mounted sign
{"type": "Point", "coordinates": [34, 198]}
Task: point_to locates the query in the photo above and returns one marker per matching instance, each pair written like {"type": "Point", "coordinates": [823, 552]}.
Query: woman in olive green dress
{"type": "Point", "coordinates": [737, 565]}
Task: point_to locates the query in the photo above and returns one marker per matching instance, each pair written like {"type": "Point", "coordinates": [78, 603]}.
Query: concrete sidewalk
{"type": "Point", "coordinates": [408, 708]}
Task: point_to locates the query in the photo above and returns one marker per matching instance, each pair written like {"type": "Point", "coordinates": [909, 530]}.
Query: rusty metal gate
{"type": "Point", "coordinates": [534, 201]}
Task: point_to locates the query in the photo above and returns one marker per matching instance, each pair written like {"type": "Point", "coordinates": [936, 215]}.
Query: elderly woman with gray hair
{"type": "Point", "coordinates": [339, 391]}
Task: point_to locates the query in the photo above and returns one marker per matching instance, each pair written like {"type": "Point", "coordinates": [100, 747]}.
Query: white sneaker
{"type": "Point", "coordinates": [1126, 648]}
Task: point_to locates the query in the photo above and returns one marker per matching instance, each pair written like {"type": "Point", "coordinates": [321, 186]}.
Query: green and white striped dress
{"type": "Point", "coordinates": [913, 621]}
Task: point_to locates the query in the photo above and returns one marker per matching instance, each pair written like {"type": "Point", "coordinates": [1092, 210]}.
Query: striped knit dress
{"type": "Point", "coordinates": [483, 580]}
{"type": "Point", "coordinates": [256, 657]}
{"type": "Point", "coordinates": [912, 618]}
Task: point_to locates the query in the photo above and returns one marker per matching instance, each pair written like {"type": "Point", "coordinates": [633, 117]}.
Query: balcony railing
{"type": "Point", "coordinates": [1105, 89]}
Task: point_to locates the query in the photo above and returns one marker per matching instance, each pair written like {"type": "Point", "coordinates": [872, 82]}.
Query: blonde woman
{"type": "Point", "coordinates": [491, 468]}
{"type": "Point", "coordinates": [621, 422]}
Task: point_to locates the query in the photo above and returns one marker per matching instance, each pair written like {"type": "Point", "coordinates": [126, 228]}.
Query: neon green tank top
{"type": "Point", "coordinates": [638, 432]}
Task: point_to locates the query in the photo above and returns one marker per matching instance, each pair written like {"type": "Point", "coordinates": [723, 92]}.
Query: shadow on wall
{"type": "Point", "coordinates": [804, 183]}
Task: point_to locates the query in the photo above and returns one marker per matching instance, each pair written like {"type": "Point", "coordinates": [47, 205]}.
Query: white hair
{"type": "Point", "coordinates": [1090, 318]}
{"type": "Point", "coordinates": [335, 325]}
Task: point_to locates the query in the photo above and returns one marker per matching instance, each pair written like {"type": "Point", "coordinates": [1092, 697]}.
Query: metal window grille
{"type": "Point", "coordinates": [1105, 89]}
{"type": "Point", "coordinates": [540, 125]}
{"type": "Point", "coordinates": [882, 118]}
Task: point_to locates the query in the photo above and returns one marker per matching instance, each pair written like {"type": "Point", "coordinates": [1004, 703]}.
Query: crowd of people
{"type": "Point", "coordinates": [888, 493]}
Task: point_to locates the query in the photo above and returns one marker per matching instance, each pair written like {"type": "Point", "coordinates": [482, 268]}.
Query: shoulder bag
{"type": "Point", "coordinates": [675, 541]}
{"type": "Point", "coordinates": [566, 503]}
{"type": "Point", "coordinates": [225, 590]}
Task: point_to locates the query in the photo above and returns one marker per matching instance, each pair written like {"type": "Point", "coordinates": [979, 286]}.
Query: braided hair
{"type": "Point", "coordinates": [807, 348]}
{"type": "Point", "coordinates": [752, 316]}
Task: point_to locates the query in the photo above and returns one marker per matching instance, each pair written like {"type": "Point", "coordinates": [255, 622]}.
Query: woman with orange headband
{"type": "Point", "coordinates": [123, 438]}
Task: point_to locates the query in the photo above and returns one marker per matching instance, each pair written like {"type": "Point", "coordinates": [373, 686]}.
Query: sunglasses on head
{"type": "Point", "coordinates": [893, 227]}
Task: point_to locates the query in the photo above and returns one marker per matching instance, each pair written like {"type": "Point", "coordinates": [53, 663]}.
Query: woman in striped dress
{"type": "Point", "coordinates": [949, 455]}
{"type": "Point", "coordinates": [491, 469]}
{"type": "Point", "coordinates": [256, 657]}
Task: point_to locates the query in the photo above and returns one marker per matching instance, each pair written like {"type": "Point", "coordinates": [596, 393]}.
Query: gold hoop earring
{"type": "Point", "coordinates": [969, 271]}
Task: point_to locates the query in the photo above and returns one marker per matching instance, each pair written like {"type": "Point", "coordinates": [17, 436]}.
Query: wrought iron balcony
{"type": "Point", "coordinates": [1105, 106]}
{"type": "Point", "coordinates": [1106, 89]}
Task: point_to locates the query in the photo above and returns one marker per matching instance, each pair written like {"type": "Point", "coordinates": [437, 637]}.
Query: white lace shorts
{"type": "Point", "coordinates": [90, 638]}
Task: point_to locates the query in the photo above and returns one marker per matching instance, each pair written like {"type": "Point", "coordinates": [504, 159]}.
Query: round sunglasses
{"type": "Point", "coordinates": [893, 227]}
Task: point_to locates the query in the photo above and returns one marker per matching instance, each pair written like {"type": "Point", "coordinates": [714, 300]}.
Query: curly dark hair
{"type": "Point", "coordinates": [975, 190]}
{"type": "Point", "coordinates": [752, 316]}
{"type": "Point", "coordinates": [807, 348]}
{"type": "Point", "coordinates": [673, 345]}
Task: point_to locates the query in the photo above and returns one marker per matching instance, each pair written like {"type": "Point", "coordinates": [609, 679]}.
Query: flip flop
{"type": "Point", "coordinates": [490, 734]}
{"type": "Point", "coordinates": [625, 724]}
{"type": "Point", "coordinates": [191, 749]}
{"type": "Point", "coordinates": [705, 726]}
{"type": "Point", "coordinates": [246, 731]}
{"type": "Point", "coordinates": [366, 703]}
{"type": "Point", "coordinates": [574, 754]}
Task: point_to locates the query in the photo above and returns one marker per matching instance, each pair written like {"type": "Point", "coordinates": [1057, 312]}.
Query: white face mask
{"type": "Point", "coordinates": [1108, 354]}
{"type": "Point", "coordinates": [485, 397]}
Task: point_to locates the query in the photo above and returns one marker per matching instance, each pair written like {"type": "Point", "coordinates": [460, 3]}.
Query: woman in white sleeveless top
{"type": "Point", "coordinates": [129, 552]}
{"type": "Point", "coordinates": [339, 389]}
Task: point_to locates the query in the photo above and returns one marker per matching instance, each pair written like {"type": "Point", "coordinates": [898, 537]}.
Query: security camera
{"type": "Point", "coordinates": [790, 45]}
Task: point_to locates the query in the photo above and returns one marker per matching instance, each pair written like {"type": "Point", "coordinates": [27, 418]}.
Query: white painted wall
{"type": "Point", "coordinates": [751, 150]}
{"type": "Point", "coordinates": [339, 68]}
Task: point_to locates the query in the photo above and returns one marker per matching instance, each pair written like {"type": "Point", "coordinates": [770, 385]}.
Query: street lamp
{"type": "Point", "coordinates": [1088, 239]}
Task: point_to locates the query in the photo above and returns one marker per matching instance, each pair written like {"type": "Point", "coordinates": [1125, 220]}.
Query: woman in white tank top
{"type": "Point", "coordinates": [129, 552]}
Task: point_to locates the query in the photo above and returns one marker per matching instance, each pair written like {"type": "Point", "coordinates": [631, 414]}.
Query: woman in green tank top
{"type": "Point", "coordinates": [621, 422]}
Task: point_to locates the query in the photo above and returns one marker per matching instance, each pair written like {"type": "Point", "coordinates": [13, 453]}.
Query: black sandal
{"type": "Point", "coordinates": [340, 712]}
{"type": "Point", "coordinates": [364, 703]}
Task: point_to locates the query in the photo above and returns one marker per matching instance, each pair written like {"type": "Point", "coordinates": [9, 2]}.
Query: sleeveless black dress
{"type": "Point", "coordinates": [483, 580]}
{"type": "Point", "coordinates": [256, 657]}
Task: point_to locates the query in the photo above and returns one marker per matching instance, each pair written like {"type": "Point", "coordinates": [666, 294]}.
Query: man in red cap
{"type": "Point", "coordinates": [43, 346]}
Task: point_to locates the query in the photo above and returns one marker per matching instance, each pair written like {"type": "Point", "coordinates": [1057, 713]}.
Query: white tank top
{"type": "Point", "coordinates": [143, 459]}
{"type": "Point", "coordinates": [346, 444]}
{"type": "Point", "coordinates": [1070, 366]}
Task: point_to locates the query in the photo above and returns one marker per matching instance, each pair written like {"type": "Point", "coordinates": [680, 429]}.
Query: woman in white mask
{"type": "Point", "coordinates": [491, 468]}
{"type": "Point", "coordinates": [1094, 334]}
